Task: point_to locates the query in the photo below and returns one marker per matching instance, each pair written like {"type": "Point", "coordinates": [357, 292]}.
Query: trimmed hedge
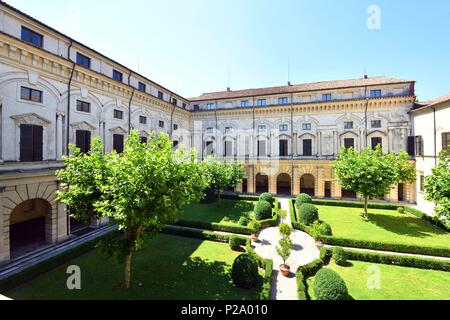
{"type": "Point", "coordinates": [302, 198]}
{"type": "Point", "coordinates": [243, 221]}
{"type": "Point", "coordinates": [213, 226]}
{"type": "Point", "coordinates": [328, 285]}
{"type": "Point", "coordinates": [308, 214]}
{"type": "Point", "coordinates": [398, 260]}
{"type": "Point", "coordinates": [200, 234]}
{"type": "Point", "coordinates": [302, 288]}
{"type": "Point", "coordinates": [267, 197]}
{"type": "Point", "coordinates": [263, 210]}
{"type": "Point", "coordinates": [354, 204]}
{"type": "Point", "coordinates": [339, 256]}
{"type": "Point", "coordinates": [312, 268]}
{"type": "Point", "coordinates": [244, 271]}
{"type": "Point", "coordinates": [267, 264]}
{"type": "Point", "coordinates": [234, 242]}
{"type": "Point", "coordinates": [239, 197]}
{"type": "Point", "coordinates": [424, 216]}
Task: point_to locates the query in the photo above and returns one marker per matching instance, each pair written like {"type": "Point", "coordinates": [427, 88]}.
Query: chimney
{"type": "Point", "coordinates": [228, 89]}
{"type": "Point", "coordinates": [289, 84]}
{"type": "Point", "coordinates": [366, 76]}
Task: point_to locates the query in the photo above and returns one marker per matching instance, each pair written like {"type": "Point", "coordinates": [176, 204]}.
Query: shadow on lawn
{"type": "Point", "coordinates": [405, 225]}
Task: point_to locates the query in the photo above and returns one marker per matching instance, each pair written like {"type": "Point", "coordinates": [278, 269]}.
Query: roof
{"type": "Point", "coordinates": [434, 102]}
{"type": "Point", "coordinates": [304, 87]}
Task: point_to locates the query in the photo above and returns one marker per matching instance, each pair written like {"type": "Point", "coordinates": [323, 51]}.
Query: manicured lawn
{"type": "Point", "coordinates": [397, 283]}
{"type": "Point", "coordinates": [229, 211]}
{"type": "Point", "coordinates": [170, 267]}
{"type": "Point", "coordinates": [387, 226]}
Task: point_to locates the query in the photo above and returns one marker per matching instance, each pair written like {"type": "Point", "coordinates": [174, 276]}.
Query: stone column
{"type": "Point", "coordinates": [295, 144]}
{"type": "Point", "coordinates": [320, 184]}
{"type": "Point", "coordinates": [62, 228]}
{"type": "Point", "coordinates": [296, 179]}
{"type": "Point", "coordinates": [393, 194]}
{"type": "Point", "coordinates": [250, 179]}
{"type": "Point", "coordinates": [319, 143]}
{"type": "Point", "coordinates": [336, 190]}
{"type": "Point", "coordinates": [4, 250]}
{"type": "Point", "coordinates": [59, 135]}
{"type": "Point", "coordinates": [273, 184]}
{"type": "Point", "coordinates": [390, 140]}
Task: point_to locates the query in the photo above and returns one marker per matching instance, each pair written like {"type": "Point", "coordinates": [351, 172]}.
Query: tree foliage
{"type": "Point", "coordinates": [372, 173]}
{"type": "Point", "coordinates": [142, 189]}
{"type": "Point", "coordinates": [437, 188]}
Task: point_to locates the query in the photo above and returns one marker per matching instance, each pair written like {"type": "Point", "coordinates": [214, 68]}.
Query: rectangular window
{"type": "Point", "coordinates": [307, 147]}
{"type": "Point", "coordinates": [261, 148]}
{"type": "Point", "coordinates": [327, 97]}
{"type": "Point", "coordinates": [30, 94]}
{"type": "Point", "coordinates": [174, 101]}
{"type": "Point", "coordinates": [196, 107]}
{"type": "Point", "coordinates": [228, 148]}
{"type": "Point", "coordinates": [419, 146]}
{"type": "Point", "coordinates": [375, 93]}
{"type": "Point", "coordinates": [31, 146]}
{"type": "Point", "coordinates": [348, 125]}
{"type": "Point", "coordinates": [118, 114]}
{"type": "Point", "coordinates": [83, 140]}
{"type": "Point", "coordinates": [422, 183]}
{"type": "Point", "coordinates": [262, 102]}
{"type": "Point", "coordinates": [412, 146]}
{"type": "Point", "coordinates": [283, 148]}
{"type": "Point", "coordinates": [306, 126]}
{"type": "Point", "coordinates": [244, 103]}
{"type": "Point", "coordinates": [83, 61]}
{"type": "Point", "coordinates": [445, 140]}
{"type": "Point", "coordinates": [161, 124]}
{"type": "Point", "coordinates": [142, 87]}
{"type": "Point", "coordinates": [184, 105]}
{"type": "Point", "coordinates": [118, 143]}
{"type": "Point", "coordinates": [282, 101]}
{"type": "Point", "coordinates": [349, 143]}
{"type": "Point", "coordinates": [175, 127]}
{"type": "Point", "coordinates": [284, 127]}
{"type": "Point", "coordinates": [377, 141]}
{"type": "Point", "coordinates": [262, 128]}
{"type": "Point", "coordinates": [83, 106]}
{"type": "Point", "coordinates": [209, 129]}
{"type": "Point", "coordinates": [32, 37]}
{"type": "Point", "coordinates": [376, 124]}
{"type": "Point", "coordinates": [118, 76]}
{"type": "Point", "coordinates": [227, 129]}
{"type": "Point", "coordinates": [142, 120]}
{"type": "Point", "coordinates": [160, 95]}
{"type": "Point", "coordinates": [209, 147]}
{"type": "Point", "coordinates": [210, 106]}
{"type": "Point", "coordinates": [144, 140]}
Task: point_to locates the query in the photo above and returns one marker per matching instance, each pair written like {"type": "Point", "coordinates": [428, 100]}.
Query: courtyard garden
{"type": "Point", "coordinates": [170, 267]}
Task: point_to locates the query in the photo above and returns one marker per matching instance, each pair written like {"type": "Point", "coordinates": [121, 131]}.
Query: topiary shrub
{"type": "Point", "coordinates": [243, 221]}
{"type": "Point", "coordinates": [308, 214]}
{"type": "Point", "coordinates": [263, 210]}
{"type": "Point", "coordinates": [302, 198]}
{"type": "Point", "coordinates": [267, 197]}
{"type": "Point", "coordinates": [328, 285]}
{"type": "Point", "coordinates": [234, 242]}
{"type": "Point", "coordinates": [401, 210]}
{"type": "Point", "coordinates": [325, 229]}
{"type": "Point", "coordinates": [244, 272]}
{"type": "Point", "coordinates": [339, 256]}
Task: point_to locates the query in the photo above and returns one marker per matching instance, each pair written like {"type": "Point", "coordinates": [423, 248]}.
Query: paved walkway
{"type": "Point", "coordinates": [304, 252]}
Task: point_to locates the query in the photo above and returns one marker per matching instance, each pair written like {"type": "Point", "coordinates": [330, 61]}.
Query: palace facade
{"type": "Point", "coordinates": [55, 91]}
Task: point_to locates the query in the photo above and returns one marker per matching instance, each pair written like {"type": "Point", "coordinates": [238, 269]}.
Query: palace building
{"type": "Point", "coordinates": [55, 91]}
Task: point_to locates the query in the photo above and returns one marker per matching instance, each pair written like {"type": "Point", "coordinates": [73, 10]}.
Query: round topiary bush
{"type": "Point", "coordinates": [234, 242]}
{"type": "Point", "coordinates": [325, 229]}
{"type": "Point", "coordinates": [263, 210]}
{"type": "Point", "coordinates": [308, 213]}
{"type": "Point", "coordinates": [401, 210]}
{"type": "Point", "coordinates": [244, 272]}
{"type": "Point", "coordinates": [328, 285]}
{"type": "Point", "coordinates": [243, 221]}
{"type": "Point", "coordinates": [267, 197]}
{"type": "Point", "coordinates": [302, 198]}
{"type": "Point", "coordinates": [339, 256]}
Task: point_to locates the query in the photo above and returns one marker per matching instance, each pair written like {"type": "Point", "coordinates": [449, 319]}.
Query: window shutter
{"type": "Point", "coordinates": [37, 143]}
{"type": "Point", "coordinates": [412, 146]}
{"type": "Point", "coordinates": [26, 143]}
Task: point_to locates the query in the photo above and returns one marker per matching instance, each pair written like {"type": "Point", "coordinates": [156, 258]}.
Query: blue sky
{"type": "Point", "coordinates": [196, 46]}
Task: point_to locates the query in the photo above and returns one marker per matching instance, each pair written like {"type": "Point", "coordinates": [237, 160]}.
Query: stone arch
{"type": "Point", "coordinates": [284, 184]}
{"type": "Point", "coordinates": [308, 184]}
{"type": "Point", "coordinates": [261, 183]}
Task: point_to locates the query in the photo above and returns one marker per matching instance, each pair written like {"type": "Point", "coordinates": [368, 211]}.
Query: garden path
{"type": "Point", "coordinates": [304, 252]}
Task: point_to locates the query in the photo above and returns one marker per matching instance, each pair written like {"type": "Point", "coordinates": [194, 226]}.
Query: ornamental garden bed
{"type": "Point", "coordinates": [386, 230]}
{"type": "Point", "coordinates": [170, 267]}
{"type": "Point", "coordinates": [396, 282]}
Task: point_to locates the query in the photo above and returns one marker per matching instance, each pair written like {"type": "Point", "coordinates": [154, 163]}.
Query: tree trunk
{"type": "Point", "coordinates": [127, 271]}
{"type": "Point", "coordinates": [366, 209]}
{"type": "Point", "coordinates": [218, 197]}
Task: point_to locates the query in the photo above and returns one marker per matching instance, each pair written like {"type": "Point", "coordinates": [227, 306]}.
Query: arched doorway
{"type": "Point", "coordinates": [284, 184]}
{"type": "Point", "coordinates": [28, 227]}
{"type": "Point", "coordinates": [244, 186]}
{"type": "Point", "coordinates": [401, 192]}
{"type": "Point", "coordinates": [262, 183]}
{"type": "Point", "coordinates": [307, 184]}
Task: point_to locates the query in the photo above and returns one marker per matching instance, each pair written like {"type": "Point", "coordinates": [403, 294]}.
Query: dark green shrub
{"type": "Point", "coordinates": [325, 254]}
{"type": "Point", "coordinates": [301, 286]}
{"type": "Point", "coordinates": [234, 242]}
{"type": "Point", "coordinates": [210, 196]}
{"type": "Point", "coordinates": [263, 210]}
{"type": "Point", "coordinates": [302, 198]}
{"type": "Point", "coordinates": [320, 228]}
{"type": "Point", "coordinates": [311, 269]}
{"type": "Point", "coordinates": [245, 271]}
{"type": "Point", "coordinates": [401, 210]}
{"type": "Point", "coordinates": [243, 221]}
{"type": "Point", "coordinates": [308, 214]}
{"type": "Point", "coordinates": [339, 256]}
{"type": "Point", "coordinates": [267, 197]}
{"type": "Point", "coordinates": [328, 285]}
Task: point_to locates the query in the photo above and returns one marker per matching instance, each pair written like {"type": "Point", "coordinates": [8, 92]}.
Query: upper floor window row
{"type": "Point", "coordinates": [348, 125]}
{"type": "Point", "coordinates": [32, 37]}
{"type": "Point", "coordinates": [282, 101]}
{"type": "Point", "coordinates": [262, 102]}
{"type": "Point", "coordinates": [83, 106]}
{"type": "Point", "coordinates": [118, 114]}
{"type": "Point", "coordinates": [142, 87]}
{"type": "Point", "coordinates": [327, 97]}
{"type": "Point", "coordinates": [118, 76]}
{"type": "Point", "coordinates": [306, 126]}
{"type": "Point", "coordinates": [31, 94]}
{"type": "Point", "coordinates": [375, 93]}
{"type": "Point", "coordinates": [210, 106]}
{"type": "Point", "coordinates": [284, 127]}
{"type": "Point", "coordinates": [376, 123]}
{"type": "Point", "coordinates": [244, 103]}
{"type": "Point", "coordinates": [83, 61]}
{"type": "Point", "coordinates": [160, 95]}
{"type": "Point", "coordinates": [196, 107]}
{"type": "Point", "coordinates": [174, 101]}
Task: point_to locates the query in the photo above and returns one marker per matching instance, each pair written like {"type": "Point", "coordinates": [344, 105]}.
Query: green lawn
{"type": "Point", "coordinates": [170, 268]}
{"type": "Point", "coordinates": [229, 211]}
{"type": "Point", "coordinates": [397, 283]}
{"type": "Point", "coordinates": [387, 226]}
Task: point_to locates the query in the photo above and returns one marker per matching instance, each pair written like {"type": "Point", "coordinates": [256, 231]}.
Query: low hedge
{"type": "Point", "coordinates": [239, 197]}
{"type": "Point", "coordinates": [354, 204]}
{"type": "Point", "coordinates": [424, 216]}
{"type": "Point", "coordinates": [35, 271]}
{"type": "Point", "coordinates": [398, 260]}
{"type": "Point", "coordinates": [302, 288]}
{"type": "Point", "coordinates": [200, 234]}
{"type": "Point", "coordinates": [232, 228]}
{"type": "Point", "coordinates": [312, 268]}
{"type": "Point", "coordinates": [401, 248]}
{"type": "Point", "coordinates": [267, 265]}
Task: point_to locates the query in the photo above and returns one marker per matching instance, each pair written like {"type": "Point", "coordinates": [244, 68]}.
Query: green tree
{"type": "Point", "coordinates": [223, 175]}
{"type": "Point", "coordinates": [285, 248]}
{"type": "Point", "coordinates": [437, 188]}
{"type": "Point", "coordinates": [372, 173]}
{"type": "Point", "coordinates": [142, 189]}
